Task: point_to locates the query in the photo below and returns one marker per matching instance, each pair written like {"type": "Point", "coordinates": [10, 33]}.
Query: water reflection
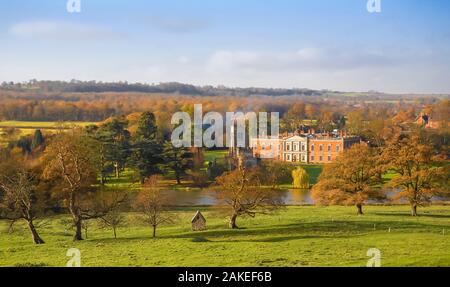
{"type": "Point", "coordinates": [289, 197]}
{"type": "Point", "coordinates": [206, 197]}
{"type": "Point", "coordinates": [297, 196]}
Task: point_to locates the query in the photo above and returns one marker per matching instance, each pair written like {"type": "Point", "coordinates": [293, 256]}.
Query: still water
{"type": "Point", "coordinates": [205, 197]}
{"type": "Point", "coordinates": [289, 197]}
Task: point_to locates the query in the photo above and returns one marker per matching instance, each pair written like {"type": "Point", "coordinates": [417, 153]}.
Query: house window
{"type": "Point", "coordinates": [303, 147]}
{"type": "Point", "coordinates": [320, 158]}
{"type": "Point", "coordinates": [337, 148]}
{"type": "Point", "coordinates": [329, 147]}
{"type": "Point", "coordinates": [288, 147]}
{"type": "Point", "coordinates": [264, 146]}
{"type": "Point", "coordinates": [329, 158]}
{"type": "Point", "coordinates": [320, 147]}
{"type": "Point", "coordinates": [288, 157]}
{"type": "Point", "coordinates": [312, 158]}
{"type": "Point", "coordinates": [303, 158]}
{"type": "Point", "coordinates": [312, 147]}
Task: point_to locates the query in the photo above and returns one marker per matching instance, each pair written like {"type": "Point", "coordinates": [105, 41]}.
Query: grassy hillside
{"type": "Point", "coordinates": [298, 236]}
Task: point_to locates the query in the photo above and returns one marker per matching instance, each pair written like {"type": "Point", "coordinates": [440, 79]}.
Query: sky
{"type": "Point", "coordinates": [317, 44]}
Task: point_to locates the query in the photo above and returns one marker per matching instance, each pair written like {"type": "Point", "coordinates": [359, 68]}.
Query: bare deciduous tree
{"type": "Point", "coordinates": [20, 198]}
{"type": "Point", "coordinates": [72, 158]}
{"type": "Point", "coordinates": [153, 204]}
{"type": "Point", "coordinates": [113, 220]}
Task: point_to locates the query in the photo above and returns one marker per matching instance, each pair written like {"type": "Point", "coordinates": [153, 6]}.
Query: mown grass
{"type": "Point", "coordinates": [297, 236]}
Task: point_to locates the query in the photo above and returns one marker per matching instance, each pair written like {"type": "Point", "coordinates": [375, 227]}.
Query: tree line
{"type": "Point", "coordinates": [69, 172]}
{"type": "Point", "coordinates": [76, 86]}
{"type": "Point", "coordinates": [328, 108]}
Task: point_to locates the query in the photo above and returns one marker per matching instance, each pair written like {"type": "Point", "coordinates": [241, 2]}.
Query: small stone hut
{"type": "Point", "coordinates": [198, 222]}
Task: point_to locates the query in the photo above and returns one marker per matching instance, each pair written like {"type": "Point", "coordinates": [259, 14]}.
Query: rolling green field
{"type": "Point", "coordinates": [296, 236]}
{"type": "Point", "coordinates": [43, 125]}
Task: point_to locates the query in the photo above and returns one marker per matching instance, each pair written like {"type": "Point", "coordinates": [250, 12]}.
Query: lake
{"type": "Point", "coordinates": [205, 197]}
{"type": "Point", "coordinates": [289, 197]}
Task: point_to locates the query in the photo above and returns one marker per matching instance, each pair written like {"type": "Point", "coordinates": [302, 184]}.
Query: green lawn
{"type": "Point", "coordinates": [298, 236]}
{"type": "Point", "coordinates": [211, 155]}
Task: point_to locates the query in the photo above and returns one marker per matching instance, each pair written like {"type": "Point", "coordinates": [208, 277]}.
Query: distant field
{"type": "Point", "coordinates": [43, 125]}
{"type": "Point", "coordinates": [298, 236]}
{"type": "Point", "coordinates": [26, 128]}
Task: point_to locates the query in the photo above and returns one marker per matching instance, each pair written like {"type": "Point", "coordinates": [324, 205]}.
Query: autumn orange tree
{"type": "Point", "coordinates": [350, 180]}
{"type": "Point", "coordinates": [71, 162]}
{"type": "Point", "coordinates": [420, 174]}
{"type": "Point", "coordinates": [241, 193]}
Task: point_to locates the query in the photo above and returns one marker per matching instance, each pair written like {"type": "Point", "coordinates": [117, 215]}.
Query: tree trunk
{"type": "Point", "coordinates": [36, 238]}
{"type": "Point", "coordinates": [359, 208]}
{"type": "Point", "coordinates": [178, 177]}
{"type": "Point", "coordinates": [115, 234]}
{"type": "Point", "coordinates": [232, 223]}
{"type": "Point", "coordinates": [413, 209]}
{"type": "Point", "coordinates": [102, 180]}
{"type": "Point", "coordinates": [78, 227]}
{"type": "Point", "coordinates": [154, 231]}
{"type": "Point", "coordinates": [77, 220]}
{"type": "Point", "coordinates": [116, 167]}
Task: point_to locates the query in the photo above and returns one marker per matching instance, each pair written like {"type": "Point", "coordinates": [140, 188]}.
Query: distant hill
{"type": "Point", "coordinates": [75, 86]}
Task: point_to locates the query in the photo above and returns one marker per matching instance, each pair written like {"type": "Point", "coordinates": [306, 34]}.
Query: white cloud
{"type": "Point", "coordinates": [309, 53]}
{"type": "Point", "coordinates": [58, 30]}
{"type": "Point", "coordinates": [303, 60]}
{"type": "Point", "coordinates": [184, 60]}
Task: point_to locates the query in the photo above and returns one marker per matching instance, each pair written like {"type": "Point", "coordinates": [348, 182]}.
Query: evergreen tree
{"type": "Point", "coordinates": [177, 159]}
{"type": "Point", "coordinates": [115, 139]}
{"type": "Point", "coordinates": [146, 155]}
{"type": "Point", "coordinates": [38, 140]}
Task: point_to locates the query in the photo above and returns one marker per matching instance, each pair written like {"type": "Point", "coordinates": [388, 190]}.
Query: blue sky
{"type": "Point", "coordinates": [320, 44]}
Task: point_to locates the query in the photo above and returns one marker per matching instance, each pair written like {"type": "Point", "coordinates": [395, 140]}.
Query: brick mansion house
{"type": "Point", "coordinates": [302, 147]}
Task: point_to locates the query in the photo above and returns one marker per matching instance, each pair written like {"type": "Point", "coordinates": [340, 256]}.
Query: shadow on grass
{"type": "Point", "coordinates": [294, 231]}
{"type": "Point", "coordinates": [408, 215]}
